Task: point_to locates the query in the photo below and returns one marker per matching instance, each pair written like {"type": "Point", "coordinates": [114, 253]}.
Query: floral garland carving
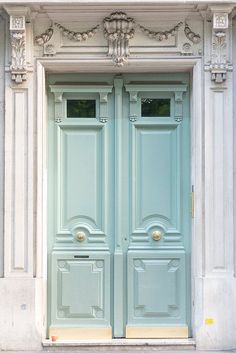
{"type": "Point", "coordinates": [77, 36]}
{"type": "Point", "coordinates": [160, 36]}
{"type": "Point", "coordinates": [44, 37]}
{"type": "Point", "coordinates": [118, 29]}
{"type": "Point", "coordinates": [193, 37]}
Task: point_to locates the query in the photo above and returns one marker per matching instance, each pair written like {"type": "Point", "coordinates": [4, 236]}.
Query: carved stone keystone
{"type": "Point", "coordinates": [118, 29]}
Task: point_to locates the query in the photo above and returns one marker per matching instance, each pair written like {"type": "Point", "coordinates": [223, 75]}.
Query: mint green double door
{"type": "Point", "coordinates": [119, 206]}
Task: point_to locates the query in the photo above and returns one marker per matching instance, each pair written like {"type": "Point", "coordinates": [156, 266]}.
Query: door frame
{"type": "Point", "coordinates": [192, 65]}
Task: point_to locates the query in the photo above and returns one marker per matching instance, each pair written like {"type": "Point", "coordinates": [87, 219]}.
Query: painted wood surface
{"type": "Point", "coordinates": [116, 186]}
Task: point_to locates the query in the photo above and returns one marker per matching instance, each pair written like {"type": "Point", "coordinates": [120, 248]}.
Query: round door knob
{"type": "Point", "coordinates": [156, 235]}
{"type": "Point", "coordinates": [80, 236]}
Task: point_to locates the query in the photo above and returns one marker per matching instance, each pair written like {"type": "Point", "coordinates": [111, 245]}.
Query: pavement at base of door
{"type": "Point", "coordinates": [115, 350]}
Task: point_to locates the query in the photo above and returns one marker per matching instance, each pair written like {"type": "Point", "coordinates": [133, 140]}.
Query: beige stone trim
{"type": "Point", "coordinates": [156, 332]}
{"type": "Point", "coordinates": [79, 333]}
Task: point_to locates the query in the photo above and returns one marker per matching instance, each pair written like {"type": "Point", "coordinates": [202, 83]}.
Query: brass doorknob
{"type": "Point", "coordinates": [80, 236]}
{"type": "Point", "coordinates": [156, 235]}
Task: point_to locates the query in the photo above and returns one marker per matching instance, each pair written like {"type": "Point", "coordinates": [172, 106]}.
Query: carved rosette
{"type": "Point", "coordinates": [18, 62]}
{"type": "Point", "coordinates": [118, 29]}
{"type": "Point", "coordinates": [220, 63]}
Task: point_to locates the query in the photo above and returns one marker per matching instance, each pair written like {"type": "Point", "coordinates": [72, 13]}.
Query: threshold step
{"type": "Point", "coordinates": [122, 344]}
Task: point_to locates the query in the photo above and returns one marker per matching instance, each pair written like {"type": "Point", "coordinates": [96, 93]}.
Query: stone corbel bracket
{"type": "Point", "coordinates": [58, 107]}
{"type": "Point", "coordinates": [220, 61]}
{"type": "Point", "coordinates": [134, 89]}
{"type": "Point", "coordinates": [101, 90]}
{"type": "Point", "coordinates": [103, 114]}
{"type": "Point", "coordinates": [133, 107]}
{"type": "Point", "coordinates": [179, 105]}
{"type": "Point", "coordinates": [18, 65]}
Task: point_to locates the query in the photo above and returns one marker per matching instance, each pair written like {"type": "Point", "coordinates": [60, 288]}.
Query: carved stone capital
{"type": "Point", "coordinates": [220, 62]}
{"type": "Point", "coordinates": [18, 62]}
{"type": "Point", "coordinates": [18, 65]}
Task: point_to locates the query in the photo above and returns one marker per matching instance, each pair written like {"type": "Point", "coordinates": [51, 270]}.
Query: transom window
{"type": "Point", "coordinates": [81, 108]}
{"type": "Point", "coordinates": [155, 107]}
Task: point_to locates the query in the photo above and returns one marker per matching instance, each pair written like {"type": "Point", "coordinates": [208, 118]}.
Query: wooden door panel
{"type": "Point", "coordinates": [80, 291]}
{"type": "Point", "coordinates": [119, 211]}
{"type": "Point", "coordinates": [80, 175]}
{"type": "Point", "coordinates": [155, 183]}
{"type": "Point", "coordinates": [82, 184]}
{"type": "Point", "coordinates": [156, 287]}
{"type": "Point", "coordinates": [160, 196]}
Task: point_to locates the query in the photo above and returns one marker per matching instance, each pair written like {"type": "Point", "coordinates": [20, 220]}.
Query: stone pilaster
{"type": "Point", "coordinates": [20, 292]}
{"type": "Point", "coordinates": [217, 322]}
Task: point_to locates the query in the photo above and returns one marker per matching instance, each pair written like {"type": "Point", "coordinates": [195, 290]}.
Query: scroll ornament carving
{"type": "Point", "coordinates": [118, 29]}
{"type": "Point", "coordinates": [18, 62]}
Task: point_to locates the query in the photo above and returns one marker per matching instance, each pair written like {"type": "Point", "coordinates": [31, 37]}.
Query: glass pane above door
{"type": "Point", "coordinates": [81, 108]}
{"type": "Point", "coordinates": [155, 107]}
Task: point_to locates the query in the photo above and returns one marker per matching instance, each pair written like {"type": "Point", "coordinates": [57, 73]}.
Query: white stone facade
{"type": "Point", "coordinates": [44, 37]}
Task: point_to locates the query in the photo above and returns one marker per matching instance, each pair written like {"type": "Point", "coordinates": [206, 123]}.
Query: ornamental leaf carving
{"type": "Point", "coordinates": [18, 62]}
{"type": "Point", "coordinates": [18, 51]}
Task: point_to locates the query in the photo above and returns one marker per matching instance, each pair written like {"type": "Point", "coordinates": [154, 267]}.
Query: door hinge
{"type": "Point", "coordinates": [192, 202]}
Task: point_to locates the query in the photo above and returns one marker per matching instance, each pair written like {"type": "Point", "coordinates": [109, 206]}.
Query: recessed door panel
{"type": "Point", "coordinates": [81, 290]}
{"type": "Point", "coordinates": [156, 284]}
{"type": "Point", "coordinates": [81, 175]}
{"type": "Point", "coordinates": [156, 181]}
{"type": "Point", "coordinates": [119, 207]}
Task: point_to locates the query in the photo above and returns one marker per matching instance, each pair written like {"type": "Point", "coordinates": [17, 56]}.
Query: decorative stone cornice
{"type": "Point", "coordinates": [118, 29]}
{"type": "Point", "coordinates": [220, 62]}
{"type": "Point", "coordinates": [18, 65]}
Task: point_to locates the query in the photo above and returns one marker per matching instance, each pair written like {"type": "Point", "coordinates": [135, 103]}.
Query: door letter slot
{"type": "Point", "coordinates": [81, 256]}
